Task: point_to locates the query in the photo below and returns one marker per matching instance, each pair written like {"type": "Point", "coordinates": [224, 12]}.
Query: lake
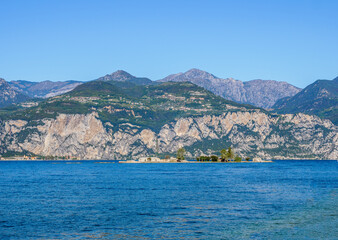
{"type": "Point", "coordinates": [96, 200]}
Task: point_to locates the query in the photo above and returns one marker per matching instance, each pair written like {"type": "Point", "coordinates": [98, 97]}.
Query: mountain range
{"type": "Point", "coordinates": [319, 98]}
{"type": "Point", "coordinates": [123, 120]}
{"type": "Point", "coordinates": [260, 93]}
{"type": "Point", "coordinates": [44, 89]}
{"type": "Point", "coordinates": [8, 95]}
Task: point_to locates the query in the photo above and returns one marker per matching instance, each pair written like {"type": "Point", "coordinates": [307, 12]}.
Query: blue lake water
{"type": "Point", "coordinates": [92, 200]}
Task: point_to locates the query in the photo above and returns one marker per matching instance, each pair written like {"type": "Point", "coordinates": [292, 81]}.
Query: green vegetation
{"type": "Point", "coordinates": [238, 159]}
{"type": "Point", "coordinates": [148, 106]}
{"type": "Point", "coordinates": [204, 158]}
{"type": "Point", "coordinates": [226, 155]}
{"type": "Point", "coordinates": [319, 98]}
{"type": "Point", "coordinates": [180, 153]}
{"type": "Point", "coordinates": [214, 158]}
{"type": "Point", "coordinates": [230, 153]}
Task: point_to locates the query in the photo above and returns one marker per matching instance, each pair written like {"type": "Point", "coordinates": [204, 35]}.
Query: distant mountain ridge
{"type": "Point", "coordinates": [122, 76]}
{"type": "Point", "coordinates": [8, 95]}
{"type": "Point", "coordinates": [44, 89]}
{"type": "Point", "coordinates": [319, 98]}
{"type": "Point", "coordinates": [260, 93]}
{"type": "Point", "coordinates": [100, 120]}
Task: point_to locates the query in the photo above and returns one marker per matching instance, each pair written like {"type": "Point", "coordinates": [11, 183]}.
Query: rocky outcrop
{"type": "Point", "coordinates": [249, 133]}
{"type": "Point", "coordinates": [122, 76]}
{"type": "Point", "coordinates": [260, 93]}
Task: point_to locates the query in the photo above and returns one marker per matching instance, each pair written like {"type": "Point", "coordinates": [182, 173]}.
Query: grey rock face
{"type": "Point", "coordinates": [260, 93]}
{"type": "Point", "coordinates": [44, 89]}
{"type": "Point", "coordinates": [122, 76]}
{"type": "Point", "coordinates": [119, 75]}
{"type": "Point", "coordinates": [8, 95]}
{"type": "Point", "coordinates": [249, 133]}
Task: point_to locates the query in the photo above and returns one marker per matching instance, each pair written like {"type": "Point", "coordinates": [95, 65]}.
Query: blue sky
{"type": "Point", "coordinates": [293, 41]}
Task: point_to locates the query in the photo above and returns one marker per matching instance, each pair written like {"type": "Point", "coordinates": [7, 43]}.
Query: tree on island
{"type": "Point", "coordinates": [224, 155]}
{"type": "Point", "coordinates": [180, 153]}
{"type": "Point", "coordinates": [238, 158]}
{"type": "Point", "coordinates": [230, 153]}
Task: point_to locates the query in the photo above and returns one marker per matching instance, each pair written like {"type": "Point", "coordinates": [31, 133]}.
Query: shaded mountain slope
{"type": "Point", "coordinates": [43, 89]}
{"type": "Point", "coordinates": [8, 95]}
{"type": "Point", "coordinates": [319, 98]}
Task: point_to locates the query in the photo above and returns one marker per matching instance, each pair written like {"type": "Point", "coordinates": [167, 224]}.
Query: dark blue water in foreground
{"type": "Point", "coordinates": [84, 200]}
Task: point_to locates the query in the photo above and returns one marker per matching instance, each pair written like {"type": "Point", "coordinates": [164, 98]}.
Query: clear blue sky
{"type": "Point", "coordinates": [294, 41]}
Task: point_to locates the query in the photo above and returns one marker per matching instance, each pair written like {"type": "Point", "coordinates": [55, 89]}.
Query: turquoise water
{"type": "Point", "coordinates": [92, 200]}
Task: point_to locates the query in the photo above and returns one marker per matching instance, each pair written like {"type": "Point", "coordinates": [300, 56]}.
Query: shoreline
{"type": "Point", "coordinates": [125, 161]}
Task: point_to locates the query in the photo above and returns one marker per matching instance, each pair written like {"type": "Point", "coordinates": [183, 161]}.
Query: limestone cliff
{"type": "Point", "coordinates": [249, 133]}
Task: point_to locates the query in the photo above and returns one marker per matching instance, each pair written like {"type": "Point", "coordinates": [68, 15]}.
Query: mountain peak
{"type": "Point", "coordinates": [197, 73]}
{"type": "Point", "coordinates": [119, 75]}
{"type": "Point", "coordinates": [195, 70]}
{"type": "Point", "coordinates": [123, 76]}
{"type": "Point", "coordinates": [260, 93]}
{"type": "Point", "coordinates": [8, 95]}
{"type": "Point", "coordinates": [189, 76]}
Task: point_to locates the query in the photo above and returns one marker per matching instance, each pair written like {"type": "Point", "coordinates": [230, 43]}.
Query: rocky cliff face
{"type": "Point", "coordinates": [260, 93]}
{"type": "Point", "coordinates": [8, 95]}
{"type": "Point", "coordinates": [249, 133]}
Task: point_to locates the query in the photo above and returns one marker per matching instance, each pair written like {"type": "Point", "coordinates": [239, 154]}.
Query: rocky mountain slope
{"type": "Point", "coordinates": [8, 95]}
{"type": "Point", "coordinates": [122, 76]}
{"type": "Point", "coordinates": [261, 93]}
{"type": "Point", "coordinates": [319, 98]}
{"type": "Point", "coordinates": [98, 120]}
{"type": "Point", "coordinates": [44, 89]}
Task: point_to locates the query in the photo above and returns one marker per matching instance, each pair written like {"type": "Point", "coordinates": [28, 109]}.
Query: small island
{"type": "Point", "coordinates": [227, 156]}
